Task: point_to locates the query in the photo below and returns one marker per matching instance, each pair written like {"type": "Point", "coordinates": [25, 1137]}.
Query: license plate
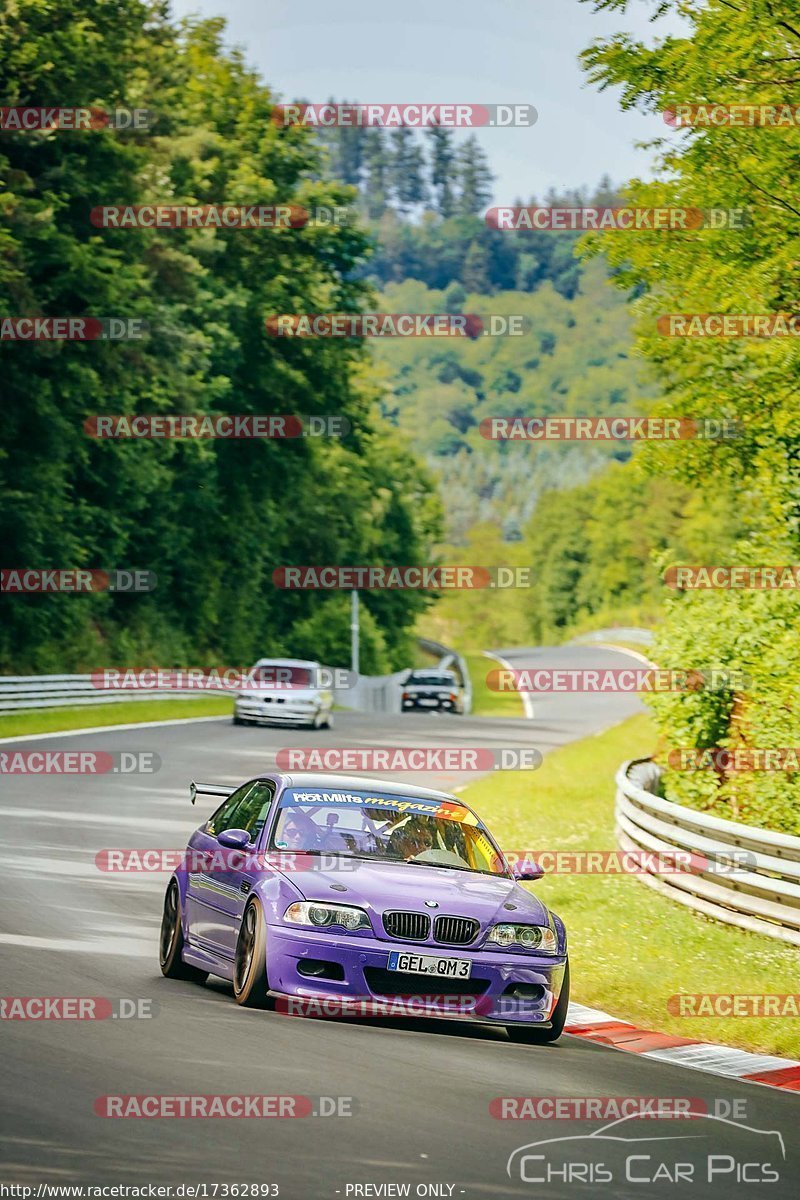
{"type": "Point", "coordinates": [432, 702]}
{"type": "Point", "coordinates": [430, 964]}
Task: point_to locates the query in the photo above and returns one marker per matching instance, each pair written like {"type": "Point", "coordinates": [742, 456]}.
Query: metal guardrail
{"type": "Point", "coordinates": [57, 691]}
{"type": "Point", "coordinates": [743, 876]}
{"type": "Point", "coordinates": [642, 637]}
{"type": "Point", "coordinates": [17, 692]}
{"type": "Point", "coordinates": [372, 693]}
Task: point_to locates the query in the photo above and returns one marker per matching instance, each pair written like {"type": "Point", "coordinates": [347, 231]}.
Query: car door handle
{"type": "Point", "coordinates": [199, 861]}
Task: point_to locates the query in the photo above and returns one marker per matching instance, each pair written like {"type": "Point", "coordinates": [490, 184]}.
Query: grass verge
{"type": "Point", "coordinates": [486, 703]}
{"type": "Point", "coordinates": [51, 720]}
{"type": "Point", "coordinates": [630, 948]}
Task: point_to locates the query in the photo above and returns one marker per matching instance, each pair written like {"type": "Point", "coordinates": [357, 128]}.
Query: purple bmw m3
{"type": "Point", "coordinates": [336, 887]}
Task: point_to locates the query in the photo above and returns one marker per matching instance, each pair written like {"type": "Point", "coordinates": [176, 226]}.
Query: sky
{"type": "Point", "coordinates": [468, 51]}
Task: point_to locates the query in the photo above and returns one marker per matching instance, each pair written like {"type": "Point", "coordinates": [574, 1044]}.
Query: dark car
{"type": "Point", "coordinates": [435, 691]}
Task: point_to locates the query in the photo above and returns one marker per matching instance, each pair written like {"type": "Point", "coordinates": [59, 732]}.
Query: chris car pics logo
{"type": "Point", "coordinates": [712, 1150]}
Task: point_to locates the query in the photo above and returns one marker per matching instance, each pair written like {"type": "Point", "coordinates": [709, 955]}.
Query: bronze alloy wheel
{"type": "Point", "coordinates": [170, 948]}
{"type": "Point", "coordinates": [250, 986]}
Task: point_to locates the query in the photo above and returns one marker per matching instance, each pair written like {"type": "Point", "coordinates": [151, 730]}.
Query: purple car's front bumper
{"type": "Point", "coordinates": [504, 986]}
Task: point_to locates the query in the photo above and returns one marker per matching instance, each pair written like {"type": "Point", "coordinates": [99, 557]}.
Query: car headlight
{"type": "Point", "coordinates": [320, 915]}
{"type": "Point", "coordinates": [529, 937]}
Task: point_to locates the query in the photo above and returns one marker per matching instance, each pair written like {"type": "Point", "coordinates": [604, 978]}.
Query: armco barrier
{"type": "Point", "coordinates": [641, 637]}
{"type": "Point", "coordinates": [759, 891]}
{"type": "Point", "coordinates": [17, 692]}
{"type": "Point", "coordinates": [372, 693]}
{"type": "Point", "coordinates": [56, 691]}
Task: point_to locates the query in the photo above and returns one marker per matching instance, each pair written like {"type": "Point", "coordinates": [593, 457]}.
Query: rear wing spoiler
{"type": "Point", "coordinates": [209, 789]}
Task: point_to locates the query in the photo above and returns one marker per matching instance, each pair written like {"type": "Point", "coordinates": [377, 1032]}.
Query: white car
{"type": "Point", "coordinates": [286, 691]}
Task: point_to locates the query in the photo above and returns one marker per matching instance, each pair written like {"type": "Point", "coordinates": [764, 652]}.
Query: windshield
{"type": "Point", "coordinates": [434, 680]}
{"type": "Point", "coordinates": [279, 675]}
{"type": "Point", "coordinates": [387, 828]}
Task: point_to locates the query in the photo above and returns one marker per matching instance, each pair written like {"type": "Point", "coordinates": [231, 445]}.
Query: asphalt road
{"type": "Point", "coordinates": [420, 1093]}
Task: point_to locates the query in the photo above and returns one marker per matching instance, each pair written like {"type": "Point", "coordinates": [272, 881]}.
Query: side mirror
{"type": "Point", "coordinates": [193, 791]}
{"type": "Point", "coordinates": [527, 870]}
{"type": "Point", "coordinates": [235, 839]}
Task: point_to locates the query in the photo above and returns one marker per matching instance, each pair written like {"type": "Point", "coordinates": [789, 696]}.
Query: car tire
{"type": "Point", "coordinates": [237, 720]}
{"type": "Point", "coordinates": [534, 1035]}
{"type": "Point", "coordinates": [250, 985]}
{"type": "Point", "coordinates": [170, 949]}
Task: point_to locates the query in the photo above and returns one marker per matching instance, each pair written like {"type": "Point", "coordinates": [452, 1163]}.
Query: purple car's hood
{"type": "Point", "coordinates": [378, 886]}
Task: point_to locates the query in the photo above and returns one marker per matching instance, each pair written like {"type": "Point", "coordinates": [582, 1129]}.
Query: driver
{"type": "Point", "coordinates": [412, 839]}
{"type": "Point", "coordinates": [297, 831]}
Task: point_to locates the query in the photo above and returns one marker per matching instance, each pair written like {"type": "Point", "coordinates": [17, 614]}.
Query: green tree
{"type": "Point", "coordinates": [325, 637]}
{"type": "Point", "coordinates": [211, 519]}
{"type": "Point", "coordinates": [730, 53]}
{"type": "Point", "coordinates": [475, 274]}
{"type": "Point", "coordinates": [443, 169]}
{"type": "Point", "coordinates": [344, 145]}
{"type": "Point", "coordinates": [474, 178]}
{"type": "Point", "coordinates": [406, 170]}
{"type": "Point", "coordinates": [376, 163]}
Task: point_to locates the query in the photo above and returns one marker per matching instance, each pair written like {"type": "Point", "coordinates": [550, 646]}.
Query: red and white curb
{"type": "Point", "coordinates": [601, 1027]}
